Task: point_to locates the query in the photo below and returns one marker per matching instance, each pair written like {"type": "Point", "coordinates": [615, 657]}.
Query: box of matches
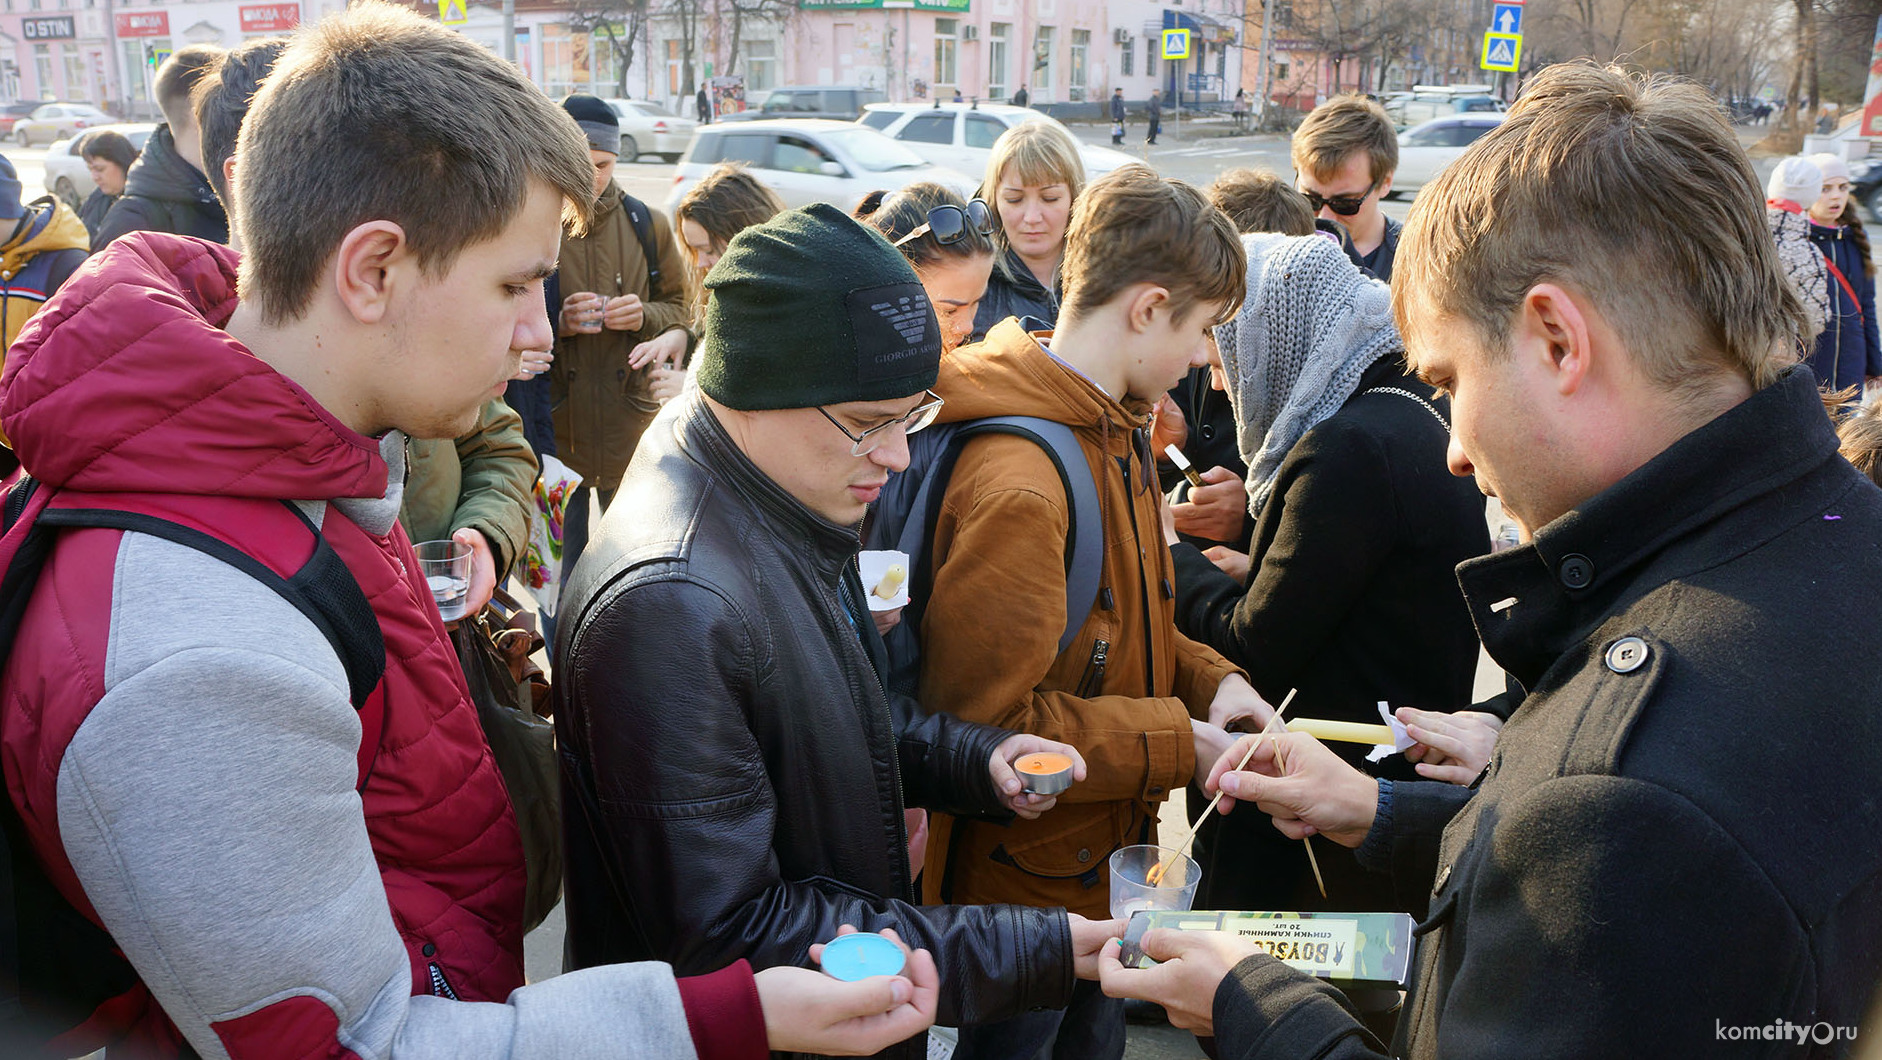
{"type": "Point", "coordinates": [1351, 949]}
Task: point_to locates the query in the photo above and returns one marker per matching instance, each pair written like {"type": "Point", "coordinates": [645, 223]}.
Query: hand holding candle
{"type": "Point", "coordinates": [1011, 784]}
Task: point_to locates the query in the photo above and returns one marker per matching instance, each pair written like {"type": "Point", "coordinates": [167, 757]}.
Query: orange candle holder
{"type": "Point", "coordinates": [1044, 772]}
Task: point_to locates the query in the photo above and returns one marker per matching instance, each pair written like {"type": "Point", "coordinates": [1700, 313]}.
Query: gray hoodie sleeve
{"type": "Point", "coordinates": [207, 807]}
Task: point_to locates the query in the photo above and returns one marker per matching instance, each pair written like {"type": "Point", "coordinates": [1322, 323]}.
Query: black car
{"type": "Point", "coordinates": [1865, 185]}
{"type": "Point", "coordinates": [835, 102]}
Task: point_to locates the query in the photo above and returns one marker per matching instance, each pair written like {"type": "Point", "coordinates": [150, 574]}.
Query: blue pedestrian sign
{"type": "Point", "coordinates": [1501, 51]}
{"type": "Point", "coordinates": [1507, 18]}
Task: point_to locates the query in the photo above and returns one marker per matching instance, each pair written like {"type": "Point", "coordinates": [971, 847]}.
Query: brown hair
{"type": "Point", "coordinates": [897, 213]}
{"type": "Point", "coordinates": [1860, 433]}
{"type": "Point", "coordinates": [375, 113]}
{"type": "Point", "coordinates": [1339, 127]}
{"type": "Point", "coordinates": [110, 145]}
{"type": "Point", "coordinates": [725, 202]}
{"type": "Point", "coordinates": [1572, 188]}
{"type": "Point", "coordinates": [1852, 220]}
{"type": "Point", "coordinates": [222, 98]}
{"type": "Point", "coordinates": [177, 78]}
{"type": "Point", "coordinates": [1257, 200]}
{"type": "Point", "coordinates": [1132, 226]}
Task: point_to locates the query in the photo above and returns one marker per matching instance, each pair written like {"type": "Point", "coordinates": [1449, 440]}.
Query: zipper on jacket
{"type": "Point", "coordinates": [1093, 680]}
{"type": "Point", "coordinates": [440, 986]}
{"type": "Point", "coordinates": [895, 738]}
{"type": "Point", "coordinates": [1150, 639]}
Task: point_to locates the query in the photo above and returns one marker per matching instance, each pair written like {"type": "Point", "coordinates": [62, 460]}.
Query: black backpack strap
{"type": "Point", "coordinates": [1084, 533]}
{"type": "Point", "coordinates": [642, 219]}
{"type": "Point", "coordinates": [323, 589]}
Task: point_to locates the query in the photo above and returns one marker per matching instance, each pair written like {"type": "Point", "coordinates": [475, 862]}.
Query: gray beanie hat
{"type": "Point", "coordinates": [812, 308]}
{"type": "Point", "coordinates": [1796, 179]}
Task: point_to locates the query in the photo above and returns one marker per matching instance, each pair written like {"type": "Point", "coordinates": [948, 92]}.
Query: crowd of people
{"type": "Point", "coordinates": [253, 810]}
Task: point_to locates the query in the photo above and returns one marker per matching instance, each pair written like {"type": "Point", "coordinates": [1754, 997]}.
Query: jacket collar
{"type": "Point", "coordinates": [1531, 604]}
{"type": "Point", "coordinates": [830, 547]}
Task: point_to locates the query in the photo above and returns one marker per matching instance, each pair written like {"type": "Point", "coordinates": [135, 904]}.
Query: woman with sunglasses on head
{"type": "Point", "coordinates": [949, 242]}
{"type": "Point", "coordinates": [1033, 176]}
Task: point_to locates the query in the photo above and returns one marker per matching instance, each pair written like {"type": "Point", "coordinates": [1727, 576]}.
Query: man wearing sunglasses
{"type": "Point", "coordinates": [734, 774]}
{"type": "Point", "coordinates": [1344, 156]}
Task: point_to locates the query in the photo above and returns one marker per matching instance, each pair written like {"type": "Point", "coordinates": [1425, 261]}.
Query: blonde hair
{"type": "Point", "coordinates": [457, 136]}
{"type": "Point", "coordinates": [1860, 435]}
{"type": "Point", "coordinates": [1339, 127]}
{"type": "Point", "coordinates": [1039, 153]}
{"type": "Point", "coordinates": [1133, 226]}
{"type": "Point", "coordinates": [1573, 188]}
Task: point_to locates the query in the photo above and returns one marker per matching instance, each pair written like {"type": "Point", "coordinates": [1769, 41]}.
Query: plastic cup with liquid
{"type": "Point", "coordinates": [1131, 889]}
{"type": "Point", "coordinates": [446, 566]}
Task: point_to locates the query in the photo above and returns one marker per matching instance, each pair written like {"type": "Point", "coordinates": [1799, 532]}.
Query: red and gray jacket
{"type": "Point", "coordinates": [288, 877]}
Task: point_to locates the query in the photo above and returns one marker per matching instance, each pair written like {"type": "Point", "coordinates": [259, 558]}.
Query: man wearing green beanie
{"type": "Point", "coordinates": [734, 772]}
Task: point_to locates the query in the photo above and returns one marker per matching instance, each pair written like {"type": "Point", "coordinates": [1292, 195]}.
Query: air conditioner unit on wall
{"type": "Point", "coordinates": [1121, 35]}
{"type": "Point", "coordinates": [970, 32]}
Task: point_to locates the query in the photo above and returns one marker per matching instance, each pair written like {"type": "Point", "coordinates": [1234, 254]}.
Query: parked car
{"type": "Point", "coordinates": [56, 121]}
{"type": "Point", "coordinates": [13, 113]}
{"type": "Point", "coordinates": [1865, 185]}
{"type": "Point", "coordinates": [811, 161]}
{"type": "Point", "coordinates": [66, 173]}
{"type": "Point", "coordinates": [1427, 102]}
{"type": "Point", "coordinates": [650, 129]}
{"type": "Point", "coordinates": [961, 135]}
{"type": "Point", "coordinates": [1423, 152]}
{"type": "Point", "coordinates": [836, 102]}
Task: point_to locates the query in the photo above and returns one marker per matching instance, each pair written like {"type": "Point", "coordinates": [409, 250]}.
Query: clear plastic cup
{"type": "Point", "coordinates": [446, 566]}
{"type": "Point", "coordinates": [1130, 891]}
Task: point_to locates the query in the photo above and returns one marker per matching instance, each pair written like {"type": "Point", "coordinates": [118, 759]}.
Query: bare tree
{"type": "Point", "coordinates": [757, 11]}
{"type": "Point", "coordinates": [622, 22]}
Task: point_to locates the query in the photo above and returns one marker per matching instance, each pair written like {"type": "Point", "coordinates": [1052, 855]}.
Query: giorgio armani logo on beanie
{"type": "Point", "coordinates": [895, 328]}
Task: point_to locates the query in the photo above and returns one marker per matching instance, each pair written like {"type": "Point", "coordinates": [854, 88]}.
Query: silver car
{"type": "Point", "coordinates": [811, 161]}
{"type": "Point", "coordinates": [649, 129]}
{"type": "Point", "coordinates": [56, 121]}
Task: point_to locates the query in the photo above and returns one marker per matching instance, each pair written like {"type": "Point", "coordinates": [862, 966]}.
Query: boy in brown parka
{"type": "Point", "coordinates": [1150, 267]}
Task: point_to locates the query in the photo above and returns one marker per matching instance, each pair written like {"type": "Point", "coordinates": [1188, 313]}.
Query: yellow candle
{"type": "Point", "coordinates": [1343, 731]}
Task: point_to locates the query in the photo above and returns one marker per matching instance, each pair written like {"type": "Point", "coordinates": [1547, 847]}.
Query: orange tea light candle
{"type": "Point", "coordinates": [1045, 772]}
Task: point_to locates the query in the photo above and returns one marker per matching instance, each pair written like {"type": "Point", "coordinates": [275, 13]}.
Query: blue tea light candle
{"type": "Point", "coordinates": [861, 955]}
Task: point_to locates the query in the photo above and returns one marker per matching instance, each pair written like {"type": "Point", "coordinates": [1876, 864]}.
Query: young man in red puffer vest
{"type": "Point", "coordinates": [287, 875]}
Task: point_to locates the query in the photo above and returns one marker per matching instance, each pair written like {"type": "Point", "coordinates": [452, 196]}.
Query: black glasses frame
{"type": "Point", "coordinates": [949, 223]}
{"type": "Point", "coordinates": [1344, 205]}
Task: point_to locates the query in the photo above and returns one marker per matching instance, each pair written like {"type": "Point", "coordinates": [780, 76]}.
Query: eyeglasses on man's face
{"type": "Point", "coordinates": [1344, 205]}
{"type": "Point", "coordinates": [913, 420]}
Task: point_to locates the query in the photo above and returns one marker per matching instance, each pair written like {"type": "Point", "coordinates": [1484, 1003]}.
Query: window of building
{"type": "Point", "coordinates": [1150, 56]}
{"type": "Point", "coordinates": [761, 65]}
{"type": "Point", "coordinates": [1128, 61]}
{"type": "Point", "coordinates": [1043, 59]}
{"type": "Point", "coordinates": [1284, 14]}
{"type": "Point", "coordinates": [74, 72]}
{"type": "Point", "coordinates": [1081, 44]}
{"type": "Point", "coordinates": [675, 67]}
{"type": "Point", "coordinates": [946, 40]}
{"type": "Point", "coordinates": [42, 68]}
{"type": "Point", "coordinates": [1280, 71]}
{"type": "Point", "coordinates": [996, 60]}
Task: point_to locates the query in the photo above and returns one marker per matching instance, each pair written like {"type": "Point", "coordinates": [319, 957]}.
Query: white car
{"type": "Point", "coordinates": [809, 161]}
{"type": "Point", "coordinates": [961, 135]}
{"type": "Point", "coordinates": [66, 173]}
{"type": "Point", "coordinates": [650, 129]}
{"type": "Point", "coordinates": [57, 120]}
{"type": "Point", "coordinates": [1423, 152]}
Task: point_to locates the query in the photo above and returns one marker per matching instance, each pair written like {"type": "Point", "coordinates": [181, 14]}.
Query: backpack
{"type": "Point", "coordinates": [56, 966]}
{"type": "Point", "coordinates": [905, 514]}
{"type": "Point", "coordinates": [642, 219]}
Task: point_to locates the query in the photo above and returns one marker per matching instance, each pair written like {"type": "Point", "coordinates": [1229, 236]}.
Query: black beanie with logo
{"type": "Point", "coordinates": [812, 308]}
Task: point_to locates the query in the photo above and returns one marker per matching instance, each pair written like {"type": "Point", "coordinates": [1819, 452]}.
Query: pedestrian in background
{"type": "Point", "coordinates": [1117, 116]}
{"type": "Point", "coordinates": [1793, 186]}
{"type": "Point", "coordinates": [165, 189]}
{"type": "Point", "coordinates": [1344, 154]}
{"type": "Point", "coordinates": [1155, 111]}
{"type": "Point", "coordinates": [108, 157]}
{"type": "Point", "coordinates": [702, 105]}
{"type": "Point", "coordinates": [1847, 353]}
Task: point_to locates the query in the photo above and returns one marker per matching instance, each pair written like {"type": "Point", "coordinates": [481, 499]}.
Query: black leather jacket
{"type": "Point", "coordinates": [733, 773]}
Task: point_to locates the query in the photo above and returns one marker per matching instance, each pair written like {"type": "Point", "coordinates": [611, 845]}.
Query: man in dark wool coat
{"type": "Point", "coordinates": [1673, 851]}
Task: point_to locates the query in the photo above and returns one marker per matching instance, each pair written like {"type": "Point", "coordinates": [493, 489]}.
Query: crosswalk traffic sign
{"type": "Point", "coordinates": [1501, 51]}
{"type": "Point", "coordinates": [1176, 44]}
{"type": "Point", "coordinates": [453, 12]}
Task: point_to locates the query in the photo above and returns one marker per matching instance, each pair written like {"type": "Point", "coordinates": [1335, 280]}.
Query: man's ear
{"type": "Point", "coordinates": [1146, 300]}
{"type": "Point", "coordinates": [1553, 325]}
{"type": "Point", "coordinates": [366, 269]}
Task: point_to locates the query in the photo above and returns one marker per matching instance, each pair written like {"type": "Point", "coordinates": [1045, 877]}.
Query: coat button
{"type": "Point", "coordinates": [1576, 571]}
{"type": "Point", "coordinates": [429, 950]}
{"type": "Point", "coordinates": [1084, 855]}
{"type": "Point", "coordinates": [1207, 431]}
{"type": "Point", "coordinates": [1627, 655]}
{"type": "Point", "coordinates": [1155, 791]}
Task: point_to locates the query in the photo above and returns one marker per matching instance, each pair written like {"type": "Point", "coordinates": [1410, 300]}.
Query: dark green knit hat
{"type": "Point", "coordinates": [812, 308]}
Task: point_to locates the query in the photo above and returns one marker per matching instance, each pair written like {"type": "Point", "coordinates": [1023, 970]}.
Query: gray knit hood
{"type": "Point", "coordinates": [1310, 327]}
